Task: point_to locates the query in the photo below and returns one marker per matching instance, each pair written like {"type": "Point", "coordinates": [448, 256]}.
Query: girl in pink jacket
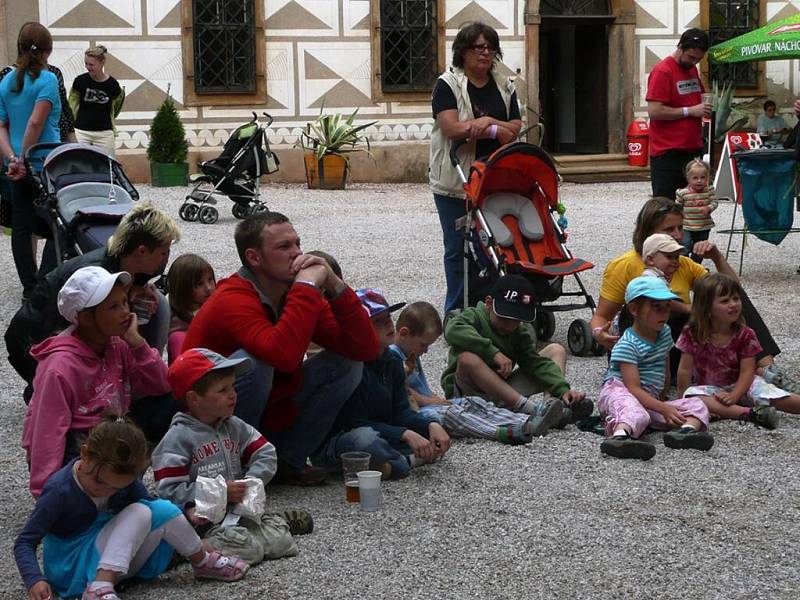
{"type": "Point", "coordinates": [92, 368]}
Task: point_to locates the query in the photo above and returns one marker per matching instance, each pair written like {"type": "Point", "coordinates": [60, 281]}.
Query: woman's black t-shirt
{"type": "Point", "coordinates": [96, 97]}
{"type": "Point", "coordinates": [486, 102]}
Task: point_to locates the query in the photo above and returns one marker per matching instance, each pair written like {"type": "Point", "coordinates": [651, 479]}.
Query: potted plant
{"type": "Point", "coordinates": [168, 147]}
{"type": "Point", "coordinates": [327, 141]}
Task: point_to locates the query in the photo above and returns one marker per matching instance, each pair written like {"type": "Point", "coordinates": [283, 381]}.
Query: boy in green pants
{"type": "Point", "coordinates": [488, 340]}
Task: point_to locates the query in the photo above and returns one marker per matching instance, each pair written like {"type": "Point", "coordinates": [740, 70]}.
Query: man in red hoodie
{"type": "Point", "coordinates": [269, 311]}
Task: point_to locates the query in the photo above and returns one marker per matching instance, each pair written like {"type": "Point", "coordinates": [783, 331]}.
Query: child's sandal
{"type": "Point", "coordinates": [221, 568]}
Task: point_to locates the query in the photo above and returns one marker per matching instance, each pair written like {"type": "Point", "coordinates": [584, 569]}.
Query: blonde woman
{"type": "Point", "coordinates": [96, 99]}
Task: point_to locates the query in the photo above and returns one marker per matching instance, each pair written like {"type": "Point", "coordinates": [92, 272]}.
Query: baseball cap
{"type": "Point", "coordinates": [375, 301]}
{"type": "Point", "coordinates": [87, 287]}
{"type": "Point", "coordinates": [513, 298]}
{"type": "Point", "coordinates": [190, 366]}
{"type": "Point", "coordinates": [660, 242]}
{"type": "Point", "coordinates": [654, 288]}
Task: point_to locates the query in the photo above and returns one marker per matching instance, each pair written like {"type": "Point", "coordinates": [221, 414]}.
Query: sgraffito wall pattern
{"type": "Point", "coordinates": [318, 52]}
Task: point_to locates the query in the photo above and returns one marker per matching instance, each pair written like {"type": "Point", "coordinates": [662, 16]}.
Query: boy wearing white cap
{"type": "Point", "coordinates": [634, 391]}
{"type": "Point", "coordinates": [661, 256]}
{"type": "Point", "coordinates": [91, 368]}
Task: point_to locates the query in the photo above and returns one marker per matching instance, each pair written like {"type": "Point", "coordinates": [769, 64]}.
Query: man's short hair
{"type": "Point", "coordinates": [694, 38]}
{"type": "Point", "coordinates": [769, 103]}
{"type": "Point", "coordinates": [249, 230]}
{"type": "Point", "coordinates": [420, 318]}
{"type": "Point", "coordinates": [145, 225]}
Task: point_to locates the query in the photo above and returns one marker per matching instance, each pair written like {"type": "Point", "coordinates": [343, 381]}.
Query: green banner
{"type": "Point", "coordinates": [777, 41]}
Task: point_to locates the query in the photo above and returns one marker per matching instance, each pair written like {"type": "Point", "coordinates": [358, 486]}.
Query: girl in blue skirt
{"type": "Point", "coordinates": [99, 524]}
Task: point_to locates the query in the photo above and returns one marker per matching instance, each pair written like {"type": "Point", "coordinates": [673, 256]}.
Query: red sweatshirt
{"type": "Point", "coordinates": [238, 316]}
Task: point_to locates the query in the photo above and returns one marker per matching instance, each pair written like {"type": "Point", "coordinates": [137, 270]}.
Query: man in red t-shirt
{"type": "Point", "coordinates": [269, 311]}
{"type": "Point", "coordinates": [675, 107]}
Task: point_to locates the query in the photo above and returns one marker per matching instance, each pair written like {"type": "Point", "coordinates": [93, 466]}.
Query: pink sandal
{"type": "Point", "coordinates": [221, 568]}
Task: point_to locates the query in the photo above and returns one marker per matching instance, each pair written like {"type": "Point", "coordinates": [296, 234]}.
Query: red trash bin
{"type": "Point", "coordinates": [638, 143]}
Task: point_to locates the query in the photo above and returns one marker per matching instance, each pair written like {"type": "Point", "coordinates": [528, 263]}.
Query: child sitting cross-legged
{"type": "Point", "coordinates": [377, 417]}
{"type": "Point", "coordinates": [206, 439]}
{"type": "Point", "coordinates": [100, 526]}
{"type": "Point", "coordinates": [633, 396]}
{"type": "Point", "coordinates": [488, 340]}
{"type": "Point", "coordinates": [419, 326]}
{"type": "Point", "coordinates": [93, 367]}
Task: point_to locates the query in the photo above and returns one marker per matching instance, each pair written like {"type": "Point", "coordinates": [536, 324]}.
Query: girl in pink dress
{"type": "Point", "coordinates": [190, 282]}
{"type": "Point", "coordinates": [719, 358]}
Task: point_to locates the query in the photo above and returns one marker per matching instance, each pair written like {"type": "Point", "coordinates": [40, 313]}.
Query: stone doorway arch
{"type": "Point", "coordinates": [621, 61]}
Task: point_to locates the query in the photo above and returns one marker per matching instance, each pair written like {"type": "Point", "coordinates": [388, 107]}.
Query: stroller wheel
{"type": "Point", "coordinates": [259, 208]}
{"type": "Point", "coordinates": [545, 325]}
{"type": "Point", "coordinates": [208, 215]}
{"type": "Point", "coordinates": [189, 212]}
{"type": "Point", "coordinates": [597, 349]}
{"type": "Point", "coordinates": [240, 211]}
{"type": "Point", "coordinates": [579, 338]}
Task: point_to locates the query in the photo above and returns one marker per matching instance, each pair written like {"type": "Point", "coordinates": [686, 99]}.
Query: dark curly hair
{"type": "Point", "coordinates": [467, 36]}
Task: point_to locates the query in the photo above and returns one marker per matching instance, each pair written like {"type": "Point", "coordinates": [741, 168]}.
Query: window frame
{"type": "Point", "coordinates": [378, 95]}
{"type": "Point", "coordinates": [761, 78]}
{"type": "Point", "coordinates": [232, 98]}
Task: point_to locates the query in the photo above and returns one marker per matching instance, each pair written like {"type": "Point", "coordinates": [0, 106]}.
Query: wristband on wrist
{"type": "Point", "coordinates": [306, 282]}
{"type": "Point", "coordinates": [685, 111]}
{"type": "Point", "coordinates": [596, 331]}
{"type": "Point", "coordinates": [493, 131]}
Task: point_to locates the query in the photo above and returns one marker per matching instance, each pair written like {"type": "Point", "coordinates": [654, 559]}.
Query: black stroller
{"type": "Point", "coordinates": [83, 195]}
{"type": "Point", "coordinates": [236, 173]}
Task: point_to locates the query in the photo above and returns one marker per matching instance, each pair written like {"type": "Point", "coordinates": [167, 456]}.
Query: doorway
{"type": "Point", "coordinates": [573, 83]}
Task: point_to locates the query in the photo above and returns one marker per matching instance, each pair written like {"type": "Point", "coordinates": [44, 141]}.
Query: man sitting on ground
{"type": "Point", "coordinates": [269, 311]}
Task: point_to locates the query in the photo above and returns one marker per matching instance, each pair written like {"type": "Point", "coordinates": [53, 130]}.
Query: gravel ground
{"type": "Point", "coordinates": [549, 519]}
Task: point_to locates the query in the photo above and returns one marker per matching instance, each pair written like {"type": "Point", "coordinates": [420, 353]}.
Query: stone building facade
{"type": "Point", "coordinates": [581, 65]}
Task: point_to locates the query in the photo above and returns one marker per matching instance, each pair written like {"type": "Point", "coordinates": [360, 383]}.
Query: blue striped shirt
{"type": "Point", "coordinates": [651, 358]}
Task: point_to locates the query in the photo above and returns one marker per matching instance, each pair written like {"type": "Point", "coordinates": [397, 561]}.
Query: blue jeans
{"type": "Point", "coordinates": [328, 381]}
{"type": "Point", "coordinates": [365, 439]}
{"type": "Point", "coordinates": [690, 238]}
{"type": "Point", "coordinates": [451, 209]}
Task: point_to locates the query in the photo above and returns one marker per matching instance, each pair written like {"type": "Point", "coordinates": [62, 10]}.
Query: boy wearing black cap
{"type": "Point", "coordinates": [377, 417]}
{"type": "Point", "coordinates": [487, 340]}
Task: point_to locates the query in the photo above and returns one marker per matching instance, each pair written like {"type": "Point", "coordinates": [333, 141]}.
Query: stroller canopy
{"type": "Point", "coordinates": [75, 163]}
{"type": "Point", "coordinates": [517, 168]}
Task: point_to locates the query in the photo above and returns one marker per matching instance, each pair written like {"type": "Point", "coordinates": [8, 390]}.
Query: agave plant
{"type": "Point", "coordinates": [334, 134]}
{"type": "Point", "coordinates": [724, 107]}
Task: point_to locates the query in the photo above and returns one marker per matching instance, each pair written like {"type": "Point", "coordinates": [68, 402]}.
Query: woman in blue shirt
{"type": "Point", "coordinates": [30, 108]}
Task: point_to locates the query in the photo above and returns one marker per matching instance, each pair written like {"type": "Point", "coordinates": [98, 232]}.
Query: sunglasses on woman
{"type": "Point", "coordinates": [483, 49]}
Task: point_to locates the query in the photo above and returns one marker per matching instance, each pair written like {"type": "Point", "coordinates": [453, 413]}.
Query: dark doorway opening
{"type": "Point", "coordinates": [573, 83]}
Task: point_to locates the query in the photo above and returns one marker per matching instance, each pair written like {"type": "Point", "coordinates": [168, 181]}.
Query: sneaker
{"type": "Point", "coordinates": [779, 378]}
{"type": "Point", "coordinates": [624, 446]}
{"type": "Point", "coordinates": [582, 409]}
{"type": "Point", "coordinates": [764, 416]}
{"type": "Point", "coordinates": [537, 425]}
{"type": "Point", "coordinates": [566, 418]}
{"type": "Point", "coordinates": [305, 477]}
{"type": "Point", "coordinates": [513, 435]}
{"type": "Point", "coordinates": [221, 568]}
{"type": "Point", "coordinates": [298, 520]}
{"type": "Point", "coordinates": [687, 438]}
{"type": "Point", "coordinates": [386, 470]}
{"type": "Point", "coordinates": [102, 593]}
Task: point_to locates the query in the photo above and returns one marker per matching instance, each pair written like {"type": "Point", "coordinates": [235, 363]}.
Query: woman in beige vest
{"type": "Point", "coordinates": [470, 100]}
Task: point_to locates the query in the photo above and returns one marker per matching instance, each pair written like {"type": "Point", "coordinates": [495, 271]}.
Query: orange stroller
{"type": "Point", "coordinates": [511, 227]}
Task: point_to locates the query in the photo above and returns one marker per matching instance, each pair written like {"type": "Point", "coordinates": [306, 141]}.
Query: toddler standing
{"type": "Point", "coordinates": [698, 201]}
{"type": "Point", "coordinates": [633, 393]}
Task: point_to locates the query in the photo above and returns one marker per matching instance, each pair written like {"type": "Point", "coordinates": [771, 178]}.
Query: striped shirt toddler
{"type": "Point", "coordinates": [651, 358]}
{"type": "Point", "coordinates": [692, 202]}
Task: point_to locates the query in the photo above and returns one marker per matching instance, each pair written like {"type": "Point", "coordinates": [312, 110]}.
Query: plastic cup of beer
{"type": "Point", "coordinates": [352, 463]}
{"type": "Point", "coordinates": [369, 489]}
{"type": "Point", "coordinates": [707, 99]}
